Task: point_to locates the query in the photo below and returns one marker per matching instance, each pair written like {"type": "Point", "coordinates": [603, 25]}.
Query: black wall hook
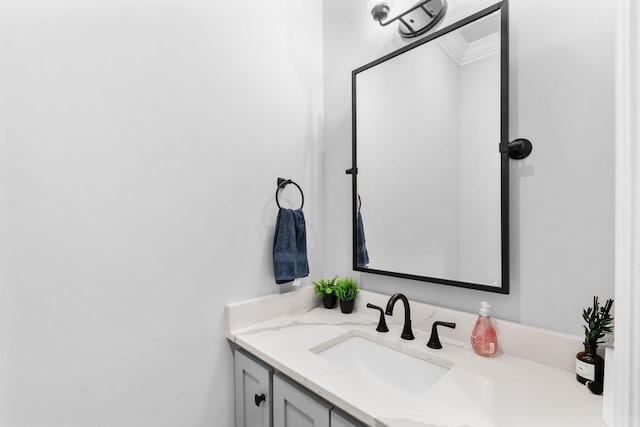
{"type": "Point", "coordinates": [282, 183]}
{"type": "Point", "coordinates": [518, 148]}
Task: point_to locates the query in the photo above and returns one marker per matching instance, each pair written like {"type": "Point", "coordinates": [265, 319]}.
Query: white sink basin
{"type": "Point", "coordinates": [401, 372]}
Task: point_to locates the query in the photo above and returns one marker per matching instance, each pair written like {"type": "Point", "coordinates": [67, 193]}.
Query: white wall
{"type": "Point", "coordinates": [561, 88]}
{"type": "Point", "coordinates": [139, 146]}
{"type": "Point", "coordinates": [140, 143]}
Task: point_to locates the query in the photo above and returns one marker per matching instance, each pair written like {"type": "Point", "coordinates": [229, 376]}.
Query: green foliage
{"type": "Point", "coordinates": [598, 322]}
{"type": "Point", "coordinates": [347, 289]}
{"type": "Point", "coordinates": [325, 286]}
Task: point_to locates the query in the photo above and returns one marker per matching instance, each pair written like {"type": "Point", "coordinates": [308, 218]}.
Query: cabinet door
{"type": "Point", "coordinates": [292, 407]}
{"type": "Point", "coordinates": [340, 419]}
{"type": "Point", "coordinates": [253, 392]}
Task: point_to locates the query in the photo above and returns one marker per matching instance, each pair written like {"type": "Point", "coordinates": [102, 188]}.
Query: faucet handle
{"type": "Point", "coordinates": [434, 340]}
{"type": "Point", "coordinates": [382, 324]}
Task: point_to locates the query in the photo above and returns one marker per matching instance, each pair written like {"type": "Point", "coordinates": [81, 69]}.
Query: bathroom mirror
{"type": "Point", "coordinates": [430, 185]}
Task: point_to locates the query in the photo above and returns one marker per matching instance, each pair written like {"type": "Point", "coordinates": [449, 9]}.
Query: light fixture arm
{"type": "Point", "coordinates": [416, 20]}
{"type": "Point", "coordinates": [419, 5]}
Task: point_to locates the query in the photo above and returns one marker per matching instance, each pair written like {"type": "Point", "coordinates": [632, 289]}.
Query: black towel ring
{"type": "Point", "coordinates": [283, 183]}
{"type": "Point", "coordinates": [359, 202]}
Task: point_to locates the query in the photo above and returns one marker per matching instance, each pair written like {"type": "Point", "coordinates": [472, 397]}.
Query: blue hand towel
{"type": "Point", "coordinates": [290, 246]}
{"type": "Point", "coordinates": [362, 256]}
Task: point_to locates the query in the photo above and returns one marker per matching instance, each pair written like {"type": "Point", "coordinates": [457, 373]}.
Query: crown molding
{"type": "Point", "coordinates": [463, 53]}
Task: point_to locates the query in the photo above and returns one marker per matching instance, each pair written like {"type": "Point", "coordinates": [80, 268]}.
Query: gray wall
{"type": "Point", "coordinates": [562, 93]}
{"type": "Point", "coordinates": [140, 142]}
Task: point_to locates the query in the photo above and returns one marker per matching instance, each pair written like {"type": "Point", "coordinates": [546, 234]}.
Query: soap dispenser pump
{"type": "Point", "coordinates": [484, 340]}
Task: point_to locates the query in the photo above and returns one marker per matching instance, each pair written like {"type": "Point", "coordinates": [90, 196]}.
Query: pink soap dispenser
{"type": "Point", "coordinates": [483, 337]}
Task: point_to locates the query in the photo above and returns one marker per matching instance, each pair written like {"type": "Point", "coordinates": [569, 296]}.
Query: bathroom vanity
{"type": "Point", "coordinates": [298, 364]}
{"type": "Point", "coordinates": [262, 396]}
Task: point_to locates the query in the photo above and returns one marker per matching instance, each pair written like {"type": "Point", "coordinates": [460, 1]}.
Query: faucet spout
{"type": "Point", "coordinates": [407, 333]}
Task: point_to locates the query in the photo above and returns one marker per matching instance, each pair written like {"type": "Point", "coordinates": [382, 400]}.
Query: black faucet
{"type": "Point", "coordinates": [434, 341]}
{"type": "Point", "coordinates": [407, 334]}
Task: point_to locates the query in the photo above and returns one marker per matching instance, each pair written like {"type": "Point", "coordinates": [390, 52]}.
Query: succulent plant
{"type": "Point", "coordinates": [347, 289]}
{"type": "Point", "coordinates": [599, 322]}
{"type": "Point", "coordinates": [324, 287]}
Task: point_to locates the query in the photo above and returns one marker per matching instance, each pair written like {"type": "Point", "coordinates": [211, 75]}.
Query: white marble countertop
{"type": "Point", "coordinates": [503, 391]}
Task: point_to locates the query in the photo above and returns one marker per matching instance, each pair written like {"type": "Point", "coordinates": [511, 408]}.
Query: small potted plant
{"type": "Point", "coordinates": [325, 289]}
{"type": "Point", "coordinates": [347, 290]}
{"type": "Point", "coordinates": [589, 365]}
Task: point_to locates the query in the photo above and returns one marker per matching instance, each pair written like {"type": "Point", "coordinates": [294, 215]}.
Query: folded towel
{"type": "Point", "coordinates": [362, 256]}
{"type": "Point", "coordinates": [290, 246]}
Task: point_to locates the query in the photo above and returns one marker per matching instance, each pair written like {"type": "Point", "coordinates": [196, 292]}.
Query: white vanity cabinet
{"type": "Point", "coordinates": [295, 407]}
{"type": "Point", "coordinates": [267, 399]}
{"type": "Point", "coordinates": [340, 419]}
{"type": "Point", "coordinates": [252, 392]}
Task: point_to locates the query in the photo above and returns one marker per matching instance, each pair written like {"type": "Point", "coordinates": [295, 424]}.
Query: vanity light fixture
{"type": "Point", "coordinates": [414, 21]}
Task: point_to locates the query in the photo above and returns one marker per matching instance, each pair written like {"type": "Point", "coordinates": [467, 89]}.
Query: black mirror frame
{"type": "Point", "coordinates": [504, 155]}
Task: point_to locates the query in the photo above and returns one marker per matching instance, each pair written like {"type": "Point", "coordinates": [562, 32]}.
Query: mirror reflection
{"type": "Point", "coordinates": [428, 124]}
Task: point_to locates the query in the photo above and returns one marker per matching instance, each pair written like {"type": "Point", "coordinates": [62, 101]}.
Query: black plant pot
{"type": "Point", "coordinates": [347, 306]}
{"type": "Point", "coordinates": [590, 368]}
{"type": "Point", "coordinates": [329, 300]}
